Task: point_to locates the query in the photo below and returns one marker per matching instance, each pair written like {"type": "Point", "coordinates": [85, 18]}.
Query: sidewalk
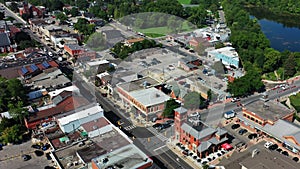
{"type": "Point", "coordinates": [173, 148]}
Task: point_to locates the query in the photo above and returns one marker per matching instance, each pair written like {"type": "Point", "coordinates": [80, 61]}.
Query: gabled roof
{"type": "Point", "coordinates": [198, 132]}
{"type": "Point", "coordinates": [4, 40]}
{"type": "Point", "coordinates": [68, 104]}
{"type": "Point", "coordinates": [204, 146]}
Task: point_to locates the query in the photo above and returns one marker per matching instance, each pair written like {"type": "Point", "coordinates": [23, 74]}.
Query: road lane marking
{"type": "Point", "coordinates": [160, 147]}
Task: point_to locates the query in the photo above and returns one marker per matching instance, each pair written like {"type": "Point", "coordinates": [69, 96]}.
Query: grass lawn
{"type": "Point", "coordinates": [295, 101]}
{"type": "Point", "coordinates": [154, 35]}
{"type": "Point", "coordinates": [269, 76]}
{"type": "Point", "coordinates": [162, 31]}
{"type": "Point", "coordinates": [184, 1]}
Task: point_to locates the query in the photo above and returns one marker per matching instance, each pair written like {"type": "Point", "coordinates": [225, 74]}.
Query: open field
{"type": "Point", "coordinates": [184, 1]}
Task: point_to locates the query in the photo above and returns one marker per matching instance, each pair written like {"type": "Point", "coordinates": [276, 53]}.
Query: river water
{"type": "Point", "coordinates": [282, 31]}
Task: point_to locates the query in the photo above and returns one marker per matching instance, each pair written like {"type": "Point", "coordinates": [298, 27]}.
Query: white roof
{"type": "Point", "coordinates": [228, 51]}
{"type": "Point", "coordinates": [95, 63]}
{"type": "Point", "coordinates": [69, 88]}
{"type": "Point", "coordinates": [80, 115]}
{"type": "Point", "coordinates": [102, 74]}
{"type": "Point", "coordinates": [150, 96]}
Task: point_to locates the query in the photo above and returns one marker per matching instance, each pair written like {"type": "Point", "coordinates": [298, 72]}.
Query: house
{"type": "Point", "coordinates": [227, 55]}
{"type": "Point", "coordinates": [141, 95]}
{"type": "Point", "coordinates": [189, 63]}
{"type": "Point", "coordinates": [196, 41]}
{"type": "Point", "coordinates": [66, 102]}
{"type": "Point", "coordinates": [197, 136]}
{"type": "Point", "coordinates": [51, 78]}
{"type": "Point", "coordinates": [29, 71]}
{"type": "Point", "coordinates": [35, 11]}
{"type": "Point", "coordinates": [5, 44]}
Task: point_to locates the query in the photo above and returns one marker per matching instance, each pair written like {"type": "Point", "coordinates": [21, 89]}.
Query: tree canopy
{"type": "Point", "coordinates": [169, 108]}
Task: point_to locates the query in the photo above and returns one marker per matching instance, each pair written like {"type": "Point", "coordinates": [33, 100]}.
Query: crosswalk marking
{"type": "Point", "coordinates": [157, 134]}
{"type": "Point", "coordinates": [129, 127]}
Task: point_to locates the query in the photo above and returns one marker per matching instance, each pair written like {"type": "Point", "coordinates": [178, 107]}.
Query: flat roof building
{"type": "Point", "coordinates": [227, 55]}
{"type": "Point", "coordinates": [129, 157]}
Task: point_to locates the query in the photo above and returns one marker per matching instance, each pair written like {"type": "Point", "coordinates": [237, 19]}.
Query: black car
{"type": "Point", "coordinates": [235, 126]}
{"type": "Point", "coordinates": [243, 131]}
{"type": "Point", "coordinates": [252, 136]}
{"type": "Point", "coordinates": [36, 146]}
{"type": "Point", "coordinates": [170, 121]}
{"type": "Point", "coordinates": [158, 126]}
{"type": "Point", "coordinates": [273, 147]}
{"type": "Point", "coordinates": [48, 156]}
{"type": "Point", "coordinates": [285, 153]}
{"type": "Point", "coordinates": [25, 157]}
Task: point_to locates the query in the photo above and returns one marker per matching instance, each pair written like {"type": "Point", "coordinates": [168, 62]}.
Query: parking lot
{"type": "Point", "coordinates": [11, 157]}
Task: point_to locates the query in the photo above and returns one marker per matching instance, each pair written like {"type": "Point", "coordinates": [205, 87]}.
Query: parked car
{"type": "Point", "coordinates": [25, 157]}
{"type": "Point", "coordinates": [36, 146]}
{"type": "Point", "coordinates": [157, 126]}
{"type": "Point", "coordinates": [170, 121]}
{"type": "Point", "coordinates": [235, 126]}
{"type": "Point", "coordinates": [268, 144]}
{"type": "Point", "coordinates": [243, 131]}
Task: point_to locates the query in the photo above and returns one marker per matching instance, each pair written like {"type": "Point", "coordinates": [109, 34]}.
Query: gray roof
{"type": "Point", "coordinates": [189, 59]}
{"type": "Point", "coordinates": [204, 146]}
{"type": "Point", "coordinates": [221, 131]}
{"type": "Point", "coordinates": [4, 40]}
{"type": "Point", "coordinates": [271, 110]}
{"type": "Point", "coordinates": [150, 96]}
{"type": "Point", "coordinates": [283, 128]}
{"type": "Point", "coordinates": [180, 110]}
{"type": "Point", "coordinates": [198, 132]}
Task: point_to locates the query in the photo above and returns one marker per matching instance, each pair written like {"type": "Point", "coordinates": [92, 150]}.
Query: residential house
{"type": "Point", "coordinates": [51, 78]}
{"type": "Point", "coordinates": [197, 136]}
{"type": "Point", "coordinates": [5, 44]}
{"type": "Point", "coordinates": [129, 42]}
{"type": "Point", "coordinates": [29, 71]}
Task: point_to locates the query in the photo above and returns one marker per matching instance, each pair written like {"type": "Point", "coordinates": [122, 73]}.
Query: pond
{"type": "Point", "coordinates": [283, 31]}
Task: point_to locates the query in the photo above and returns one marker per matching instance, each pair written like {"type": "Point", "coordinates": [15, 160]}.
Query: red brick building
{"type": "Point", "coordinates": [189, 63]}
{"type": "Point", "coordinates": [196, 135]}
{"type": "Point", "coordinates": [257, 115]}
{"type": "Point", "coordinates": [62, 103]}
{"type": "Point", "coordinates": [77, 51]}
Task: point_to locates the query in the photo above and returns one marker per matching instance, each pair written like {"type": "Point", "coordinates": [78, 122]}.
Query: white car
{"type": "Point", "coordinates": [50, 54]}
{"type": "Point", "coordinates": [268, 144]}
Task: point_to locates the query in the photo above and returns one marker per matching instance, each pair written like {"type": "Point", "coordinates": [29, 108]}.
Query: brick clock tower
{"type": "Point", "coordinates": [180, 118]}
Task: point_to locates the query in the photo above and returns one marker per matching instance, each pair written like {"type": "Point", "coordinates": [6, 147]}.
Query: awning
{"type": "Point", "coordinates": [226, 146]}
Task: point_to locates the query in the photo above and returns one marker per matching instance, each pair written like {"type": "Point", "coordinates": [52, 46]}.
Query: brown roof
{"type": "Point", "coordinates": [68, 104]}
{"type": "Point", "coordinates": [135, 40]}
{"type": "Point", "coordinates": [98, 123]}
{"type": "Point", "coordinates": [10, 73]}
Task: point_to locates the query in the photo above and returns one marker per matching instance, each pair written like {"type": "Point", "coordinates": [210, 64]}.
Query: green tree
{"type": "Point", "coordinates": [194, 100]}
{"type": "Point", "coordinates": [209, 94]}
{"type": "Point", "coordinates": [5, 123]}
{"type": "Point", "coordinates": [21, 36]}
{"type": "Point", "coordinates": [25, 44]}
{"type": "Point", "coordinates": [61, 17]}
{"type": "Point", "coordinates": [290, 66]}
{"type": "Point", "coordinates": [17, 111]}
{"type": "Point", "coordinates": [82, 4]}
{"type": "Point", "coordinates": [16, 90]}
{"type": "Point", "coordinates": [74, 11]}
{"type": "Point", "coordinates": [272, 60]}
{"type": "Point", "coordinates": [170, 105]}
{"type": "Point", "coordinates": [96, 42]}
{"type": "Point", "coordinates": [12, 134]}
